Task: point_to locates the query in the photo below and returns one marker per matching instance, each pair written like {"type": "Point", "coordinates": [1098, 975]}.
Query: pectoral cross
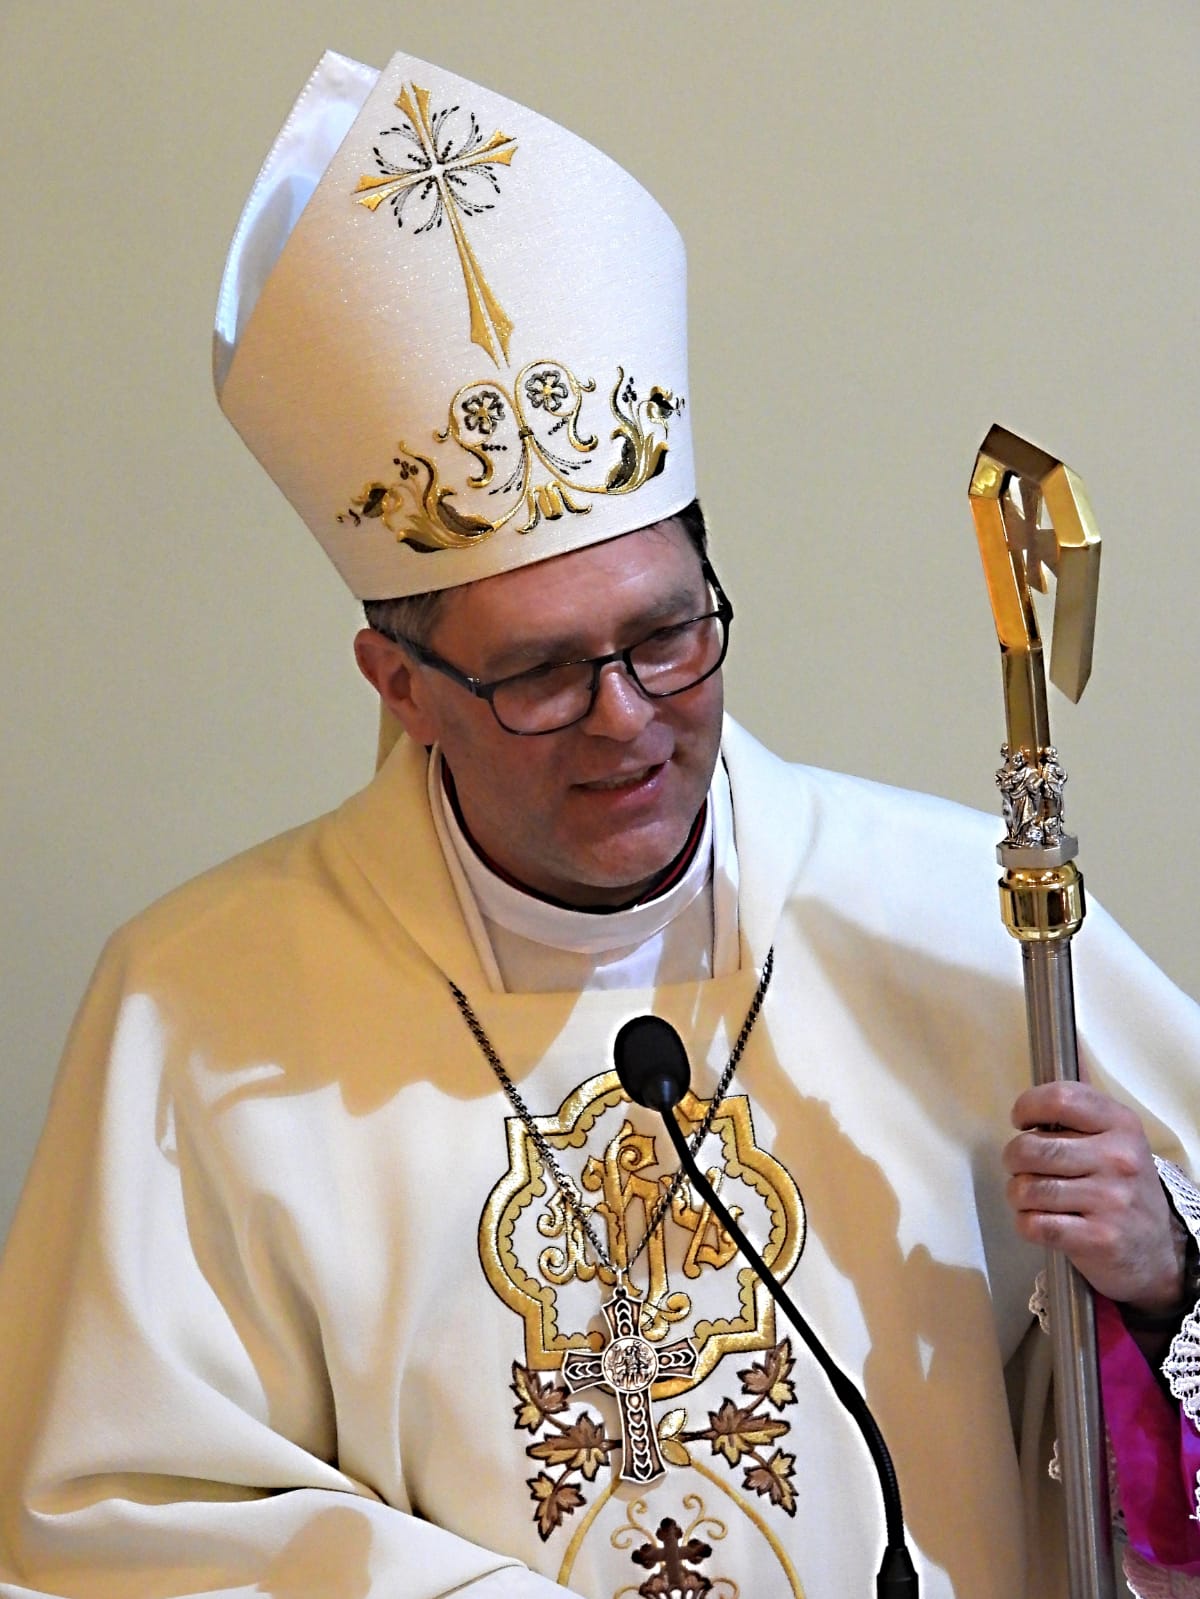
{"type": "Point", "coordinates": [628, 1366]}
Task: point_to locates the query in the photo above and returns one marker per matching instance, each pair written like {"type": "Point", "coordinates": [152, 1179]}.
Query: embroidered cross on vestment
{"type": "Point", "coordinates": [674, 1563]}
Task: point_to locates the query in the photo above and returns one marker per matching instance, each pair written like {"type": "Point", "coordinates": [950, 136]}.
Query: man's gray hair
{"type": "Point", "coordinates": [414, 616]}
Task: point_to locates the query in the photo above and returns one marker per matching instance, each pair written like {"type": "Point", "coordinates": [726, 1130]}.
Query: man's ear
{"type": "Point", "coordinates": [394, 676]}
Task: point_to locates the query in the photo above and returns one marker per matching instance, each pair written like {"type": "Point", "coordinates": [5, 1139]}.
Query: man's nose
{"type": "Point", "coordinates": [621, 710]}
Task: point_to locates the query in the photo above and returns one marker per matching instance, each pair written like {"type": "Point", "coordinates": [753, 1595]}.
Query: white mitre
{"type": "Point", "coordinates": [452, 332]}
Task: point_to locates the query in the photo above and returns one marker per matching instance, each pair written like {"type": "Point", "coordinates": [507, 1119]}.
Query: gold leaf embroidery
{"type": "Point", "coordinates": [568, 1447]}
{"type": "Point", "coordinates": [769, 1377]}
{"type": "Point", "coordinates": [774, 1479]}
{"type": "Point", "coordinates": [582, 1447]}
{"type": "Point", "coordinates": [555, 1500]}
{"type": "Point", "coordinates": [669, 1428]}
{"type": "Point", "coordinates": [538, 1399]}
{"type": "Point", "coordinates": [734, 1431]}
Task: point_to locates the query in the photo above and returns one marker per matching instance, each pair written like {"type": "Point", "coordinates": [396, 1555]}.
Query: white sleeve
{"type": "Point", "coordinates": [143, 1455]}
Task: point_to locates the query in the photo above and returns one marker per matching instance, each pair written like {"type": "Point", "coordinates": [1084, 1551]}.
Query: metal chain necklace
{"type": "Point", "coordinates": [570, 1194]}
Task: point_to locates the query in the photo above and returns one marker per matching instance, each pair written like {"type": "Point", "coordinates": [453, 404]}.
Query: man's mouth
{"type": "Point", "coordinates": [622, 780]}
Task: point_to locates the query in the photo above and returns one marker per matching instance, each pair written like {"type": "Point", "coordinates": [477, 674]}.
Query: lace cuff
{"type": "Point", "coordinates": [1183, 1194]}
{"type": "Point", "coordinates": [1039, 1301]}
{"type": "Point", "coordinates": [1181, 1368]}
{"type": "Point", "coordinates": [1157, 1582]}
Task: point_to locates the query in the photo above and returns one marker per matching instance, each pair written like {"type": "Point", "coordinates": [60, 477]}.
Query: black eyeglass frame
{"type": "Point", "coordinates": [487, 691]}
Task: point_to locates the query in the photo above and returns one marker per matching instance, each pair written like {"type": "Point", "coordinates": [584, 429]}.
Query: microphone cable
{"type": "Point", "coordinates": [653, 1067]}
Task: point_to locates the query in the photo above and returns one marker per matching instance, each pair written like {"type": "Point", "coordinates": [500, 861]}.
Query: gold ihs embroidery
{"type": "Point", "coordinates": [538, 1259]}
{"type": "Point", "coordinates": [629, 1193]}
{"type": "Point", "coordinates": [627, 1204]}
{"type": "Point", "coordinates": [711, 1245]}
{"type": "Point", "coordinates": [570, 1259]}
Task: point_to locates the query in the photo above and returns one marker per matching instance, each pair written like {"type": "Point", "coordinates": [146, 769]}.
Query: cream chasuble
{"type": "Point", "coordinates": [289, 1294]}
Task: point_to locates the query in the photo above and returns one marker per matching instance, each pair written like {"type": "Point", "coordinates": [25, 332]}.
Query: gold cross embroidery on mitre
{"type": "Point", "coordinates": [444, 166]}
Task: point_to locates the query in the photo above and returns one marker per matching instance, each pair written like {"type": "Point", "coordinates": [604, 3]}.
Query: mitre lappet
{"type": "Point", "coordinates": [452, 332]}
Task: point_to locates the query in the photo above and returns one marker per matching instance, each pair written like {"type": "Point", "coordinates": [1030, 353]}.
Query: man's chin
{"type": "Point", "coordinates": [622, 874]}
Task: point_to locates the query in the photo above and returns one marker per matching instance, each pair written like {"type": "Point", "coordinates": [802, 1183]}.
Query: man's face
{"type": "Point", "coordinates": [591, 813]}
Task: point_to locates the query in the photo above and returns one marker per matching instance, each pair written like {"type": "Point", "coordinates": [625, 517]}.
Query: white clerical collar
{"type": "Point", "coordinates": [561, 926]}
{"type": "Point", "coordinates": [713, 867]}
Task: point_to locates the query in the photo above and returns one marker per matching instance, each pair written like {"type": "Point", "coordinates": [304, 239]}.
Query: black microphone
{"type": "Point", "coordinates": [652, 1063]}
{"type": "Point", "coordinates": [653, 1067]}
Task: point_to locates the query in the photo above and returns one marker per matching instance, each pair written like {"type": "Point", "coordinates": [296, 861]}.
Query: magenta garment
{"type": "Point", "coordinates": [1156, 1447]}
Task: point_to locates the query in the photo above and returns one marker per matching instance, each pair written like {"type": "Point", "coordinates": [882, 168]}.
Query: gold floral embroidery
{"type": "Point", "coordinates": [532, 460]}
{"type": "Point", "coordinates": [570, 1447]}
{"type": "Point", "coordinates": [739, 1433]}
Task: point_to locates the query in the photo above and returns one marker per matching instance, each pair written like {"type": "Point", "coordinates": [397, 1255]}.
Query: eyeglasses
{"type": "Point", "coordinates": [548, 698]}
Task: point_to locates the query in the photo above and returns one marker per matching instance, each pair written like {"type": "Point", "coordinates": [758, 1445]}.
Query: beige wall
{"type": "Point", "coordinates": [905, 222]}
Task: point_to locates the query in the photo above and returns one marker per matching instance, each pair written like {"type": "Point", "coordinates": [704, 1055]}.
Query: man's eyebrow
{"type": "Point", "coordinates": [678, 604]}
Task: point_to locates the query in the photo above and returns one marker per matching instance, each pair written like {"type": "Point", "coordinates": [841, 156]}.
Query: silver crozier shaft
{"type": "Point", "coordinates": [1050, 1008]}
